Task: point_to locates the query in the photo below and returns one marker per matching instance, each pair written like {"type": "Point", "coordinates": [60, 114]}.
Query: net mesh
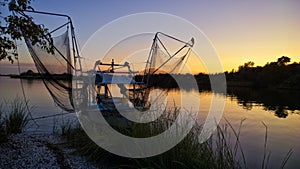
{"type": "Point", "coordinates": [167, 56]}
{"type": "Point", "coordinates": [163, 63]}
{"type": "Point", "coordinates": [55, 70]}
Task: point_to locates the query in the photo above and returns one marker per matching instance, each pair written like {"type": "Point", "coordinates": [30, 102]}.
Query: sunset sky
{"type": "Point", "coordinates": [241, 31]}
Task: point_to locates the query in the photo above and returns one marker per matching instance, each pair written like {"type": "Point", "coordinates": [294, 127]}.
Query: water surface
{"type": "Point", "coordinates": [279, 110]}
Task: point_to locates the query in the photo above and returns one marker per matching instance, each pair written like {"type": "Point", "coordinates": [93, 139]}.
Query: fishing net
{"type": "Point", "coordinates": [55, 70]}
{"type": "Point", "coordinates": [166, 58]}
{"type": "Point", "coordinates": [164, 62]}
{"type": "Point", "coordinates": [167, 55]}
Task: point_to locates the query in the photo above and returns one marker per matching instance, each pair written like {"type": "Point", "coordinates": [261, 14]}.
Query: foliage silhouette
{"type": "Point", "coordinates": [18, 25]}
{"type": "Point", "coordinates": [276, 75]}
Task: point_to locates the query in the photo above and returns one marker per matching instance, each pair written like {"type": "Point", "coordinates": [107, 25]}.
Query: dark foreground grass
{"type": "Point", "coordinates": [13, 117]}
{"type": "Point", "coordinates": [189, 153]}
{"type": "Point", "coordinates": [3, 136]}
{"type": "Point", "coordinates": [222, 150]}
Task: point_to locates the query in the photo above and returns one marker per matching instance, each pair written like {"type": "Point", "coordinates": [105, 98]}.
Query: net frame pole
{"type": "Point", "coordinates": [75, 50]}
{"type": "Point", "coordinates": [73, 38]}
{"type": "Point", "coordinates": [154, 45]}
{"type": "Point", "coordinates": [186, 44]}
{"type": "Point", "coordinates": [149, 61]}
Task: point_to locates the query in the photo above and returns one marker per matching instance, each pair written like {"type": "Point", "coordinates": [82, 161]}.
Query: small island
{"type": "Point", "coordinates": [29, 74]}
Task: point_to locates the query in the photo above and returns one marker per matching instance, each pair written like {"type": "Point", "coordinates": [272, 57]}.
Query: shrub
{"type": "Point", "coordinates": [16, 117]}
{"type": "Point", "coordinates": [3, 136]}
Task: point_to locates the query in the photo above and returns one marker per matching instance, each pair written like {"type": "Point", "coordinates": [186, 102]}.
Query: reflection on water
{"type": "Point", "coordinates": [281, 102]}
{"type": "Point", "coordinates": [39, 99]}
{"type": "Point", "coordinates": [278, 109]}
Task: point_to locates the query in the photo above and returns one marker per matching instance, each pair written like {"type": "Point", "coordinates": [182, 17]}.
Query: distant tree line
{"type": "Point", "coordinates": [29, 74]}
{"type": "Point", "coordinates": [279, 74]}
{"type": "Point", "coordinates": [273, 75]}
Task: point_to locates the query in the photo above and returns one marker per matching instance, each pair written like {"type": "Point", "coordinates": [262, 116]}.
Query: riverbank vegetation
{"type": "Point", "coordinates": [222, 150]}
{"type": "Point", "coordinates": [13, 117]}
{"type": "Point", "coordinates": [279, 74]}
{"type": "Point", "coordinates": [217, 152]}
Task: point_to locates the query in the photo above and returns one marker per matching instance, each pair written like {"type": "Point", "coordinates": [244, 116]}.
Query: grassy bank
{"type": "Point", "coordinates": [13, 117]}
{"type": "Point", "coordinates": [222, 150]}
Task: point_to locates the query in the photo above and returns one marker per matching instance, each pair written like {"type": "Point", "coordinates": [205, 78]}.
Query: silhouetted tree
{"type": "Point", "coordinates": [283, 60]}
{"type": "Point", "coordinates": [249, 64]}
{"type": "Point", "coordinates": [246, 66]}
{"type": "Point", "coordinates": [278, 74]}
{"type": "Point", "coordinates": [18, 25]}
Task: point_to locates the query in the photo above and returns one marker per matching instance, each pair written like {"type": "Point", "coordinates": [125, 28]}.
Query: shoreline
{"type": "Point", "coordinates": [40, 151]}
{"type": "Point", "coordinates": [202, 85]}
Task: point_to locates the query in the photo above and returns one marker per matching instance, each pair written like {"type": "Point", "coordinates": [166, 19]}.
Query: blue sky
{"type": "Point", "coordinates": [260, 31]}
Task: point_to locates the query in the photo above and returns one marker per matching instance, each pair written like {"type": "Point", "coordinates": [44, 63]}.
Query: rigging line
{"type": "Point", "coordinates": [23, 91]}
{"type": "Point", "coordinates": [53, 115]}
{"type": "Point", "coordinates": [47, 13]}
{"type": "Point", "coordinates": [168, 59]}
{"type": "Point", "coordinates": [174, 38]}
{"type": "Point", "coordinates": [188, 55]}
{"type": "Point", "coordinates": [64, 58]}
{"type": "Point", "coordinates": [58, 59]}
{"type": "Point", "coordinates": [150, 59]}
{"type": "Point", "coordinates": [180, 62]}
{"type": "Point", "coordinates": [74, 44]}
{"type": "Point", "coordinates": [59, 27]}
{"type": "Point", "coordinates": [164, 47]}
{"type": "Point", "coordinates": [77, 45]}
{"type": "Point", "coordinates": [60, 51]}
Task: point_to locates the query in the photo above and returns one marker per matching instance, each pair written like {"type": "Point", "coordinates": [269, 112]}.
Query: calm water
{"type": "Point", "coordinates": [40, 100]}
{"type": "Point", "coordinates": [279, 110]}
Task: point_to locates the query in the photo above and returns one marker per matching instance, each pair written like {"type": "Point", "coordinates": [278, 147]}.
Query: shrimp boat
{"type": "Point", "coordinates": [136, 90]}
{"type": "Point", "coordinates": [135, 86]}
{"type": "Point", "coordinates": [92, 90]}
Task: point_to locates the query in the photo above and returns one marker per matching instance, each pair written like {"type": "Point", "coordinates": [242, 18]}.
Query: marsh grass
{"type": "Point", "coordinates": [222, 150]}
{"type": "Point", "coordinates": [3, 136]}
{"type": "Point", "coordinates": [17, 117]}
{"type": "Point", "coordinates": [63, 127]}
{"type": "Point", "coordinates": [216, 152]}
{"type": "Point", "coordinates": [267, 153]}
{"type": "Point", "coordinates": [55, 126]}
{"type": "Point", "coordinates": [66, 127]}
{"type": "Point", "coordinates": [1, 112]}
{"type": "Point", "coordinates": [14, 116]}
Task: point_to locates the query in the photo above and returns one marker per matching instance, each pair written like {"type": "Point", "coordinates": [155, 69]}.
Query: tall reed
{"type": "Point", "coordinates": [216, 152]}
{"type": "Point", "coordinates": [3, 136]}
{"type": "Point", "coordinates": [16, 116]}
{"type": "Point", "coordinates": [222, 150]}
